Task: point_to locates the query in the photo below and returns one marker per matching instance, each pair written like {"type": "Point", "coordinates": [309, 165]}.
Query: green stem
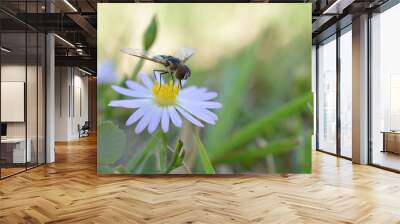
{"type": "Point", "coordinates": [163, 152]}
{"type": "Point", "coordinates": [176, 159]}
{"type": "Point", "coordinates": [138, 66]}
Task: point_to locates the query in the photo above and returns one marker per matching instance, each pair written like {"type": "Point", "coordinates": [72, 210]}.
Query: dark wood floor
{"type": "Point", "coordinates": [69, 191]}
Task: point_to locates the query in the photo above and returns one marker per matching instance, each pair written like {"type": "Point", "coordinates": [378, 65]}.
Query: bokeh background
{"type": "Point", "coordinates": [256, 55]}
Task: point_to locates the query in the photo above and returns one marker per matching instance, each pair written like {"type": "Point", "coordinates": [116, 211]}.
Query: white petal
{"type": "Point", "coordinates": [200, 113]}
{"type": "Point", "coordinates": [128, 103]}
{"type": "Point", "coordinates": [175, 118]}
{"type": "Point", "coordinates": [203, 104]}
{"type": "Point", "coordinates": [189, 117]}
{"type": "Point", "coordinates": [209, 104]}
{"type": "Point", "coordinates": [121, 90]}
{"type": "Point", "coordinates": [137, 114]}
{"type": "Point", "coordinates": [194, 89]}
{"type": "Point", "coordinates": [211, 114]}
{"type": "Point", "coordinates": [145, 120]}
{"type": "Point", "coordinates": [165, 120]}
{"type": "Point", "coordinates": [198, 94]}
{"type": "Point", "coordinates": [207, 96]}
{"type": "Point", "coordinates": [128, 92]}
{"type": "Point", "coordinates": [203, 89]}
{"type": "Point", "coordinates": [136, 86]}
{"type": "Point", "coordinates": [207, 113]}
{"type": "Point", "coordinates": [146, 80]}
{"type": "Point", "coordinates": [188, 90]}
{"type": "Point", "coordinates": [155, 120]}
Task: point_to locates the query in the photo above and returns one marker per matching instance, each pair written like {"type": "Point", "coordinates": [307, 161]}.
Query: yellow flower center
{"type": "Point", "coordinates": [165, 94]}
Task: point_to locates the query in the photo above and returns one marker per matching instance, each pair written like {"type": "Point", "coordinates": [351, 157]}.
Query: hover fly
{"type": "Point", "coordinates": [174, 65]}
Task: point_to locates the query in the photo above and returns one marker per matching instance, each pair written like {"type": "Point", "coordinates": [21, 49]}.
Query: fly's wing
{"type": "Point", "coordinates": [184, 54]}
{"type": "Point", "coordinates": [145, 55]}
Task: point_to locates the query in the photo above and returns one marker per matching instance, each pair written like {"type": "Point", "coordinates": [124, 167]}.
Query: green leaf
{"type": "Point", "coordinates": [177, 158]}
{"type": "Point", "coordinates": [149, 38]}
{"type": "Point", "coordinates": [150, 166]}
{"type": "Point", "coordinates": [111, 143]}
{"type": "Point", "coordinates": [207, 165]}
{"type": "Point", "coordinates": [150, 34]}
{"type": "Point", "coordinates": [102, 169]}
{"type": "Point", "coordinates": [140, 157]}
{"type": "Point", "coordinates": [163, 152]}
{"type": "Point", "coordinates": [121, 169]}
{"type": "Point", "coordinates": [250, 131]}
{"type": "Point", "coordinates": [250, 155]}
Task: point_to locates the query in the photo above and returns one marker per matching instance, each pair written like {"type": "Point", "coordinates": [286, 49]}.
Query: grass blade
{"type": "Point", "coordinates": [250, 155]}
{"type": "Point", "coordinates": [205, 160]}
{"type": "Point", "coordinates": [177, 158]}
{"type": "Point", "coordinates": [250, 131]}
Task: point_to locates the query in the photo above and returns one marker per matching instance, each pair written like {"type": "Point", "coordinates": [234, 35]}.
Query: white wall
{"type": "Point", "coordinates": [71, 102]}
{"type": "Point", "coordinates": [16, 73]}
{"type": "Point", "coordinates": [62, 82]}
{"type": "Point", "coordinates": [33, 126]}
{"type": "Point", "coordinates": [12, 73]}
{"type": "Point", "coordinates": [80, 104]}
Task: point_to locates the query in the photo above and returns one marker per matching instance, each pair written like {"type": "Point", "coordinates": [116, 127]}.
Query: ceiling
{"type": "Point", "coordinates": [332, 15]}
{"type": "Point", "coordinates": [75, 22]}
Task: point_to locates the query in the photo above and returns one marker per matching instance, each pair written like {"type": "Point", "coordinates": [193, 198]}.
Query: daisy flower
{"type": "Point", "coordinates": [157, 103]}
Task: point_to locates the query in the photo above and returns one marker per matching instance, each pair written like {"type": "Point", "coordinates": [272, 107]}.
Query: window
{"type": "Point", "coordinates": [327, 95]}
{"type": "Point", "coordinates": [22, 101]}
{"type": "Point", "coordinates": [385, 89]}
{"type": "Point", "coordinates": [346, 92]}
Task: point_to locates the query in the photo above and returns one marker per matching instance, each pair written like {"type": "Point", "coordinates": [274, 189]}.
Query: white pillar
{"type": "Point", "coordinates": [50, 100]}
{"type": "Point", "coordinates": [360, 90]}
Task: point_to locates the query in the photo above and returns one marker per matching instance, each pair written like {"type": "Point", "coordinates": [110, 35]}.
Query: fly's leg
{"type": "Point", "coordinates": [162, 72]}
{"type": "Point", "coordinates": [180, 83]}
{"type": "Point", "coordinates": [173, 79]}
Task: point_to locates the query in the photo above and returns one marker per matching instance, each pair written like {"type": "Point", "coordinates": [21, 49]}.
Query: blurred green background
{"type": "Point", "coordinates": [256, 56]}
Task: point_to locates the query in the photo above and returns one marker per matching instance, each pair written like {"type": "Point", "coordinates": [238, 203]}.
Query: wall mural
{"type": "Point", "coordinates": [204, 88]}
